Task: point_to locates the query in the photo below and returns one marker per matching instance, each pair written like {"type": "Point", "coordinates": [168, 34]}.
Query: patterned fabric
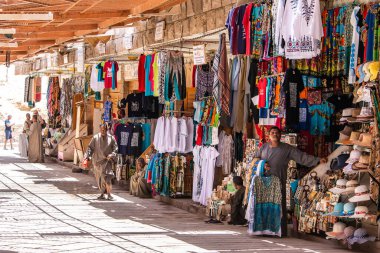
{"type": "Point", "coordinates": [66, 101]}
{"type": "Point", "coordinates": [163, 59]}
{"type": "Point", "coordinates": [223, 72]}
{"type": "Point", "coordinates": [205, 81]}
{"type": "Point", "coordinates": [267, 207]}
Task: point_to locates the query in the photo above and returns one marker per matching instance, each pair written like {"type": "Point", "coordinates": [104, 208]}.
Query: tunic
{"type": "Point", "coordinates": [35, 143]}
{"type": "Point", "coordinates": [99, 149]}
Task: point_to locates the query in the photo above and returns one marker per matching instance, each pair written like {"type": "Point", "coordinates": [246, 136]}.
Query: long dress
{"type": "Point", "coordinates": [23, 139]}
{"type": "Point", "coordinates": [35, 154]}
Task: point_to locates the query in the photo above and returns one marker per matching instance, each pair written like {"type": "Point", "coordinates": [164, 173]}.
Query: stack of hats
{"type": "Point", "coordinates": [365, 140]}
{"type": "Point", "coordinates": [352, 236]}
{"type": "Point", "coordinates": [343, 186]}
{"type": "Point", "coordinates": [361, 194]}
{"type": "Point", "coordinates": [360, 236]}
{"type": "Point", "coordinates": [354, 157]}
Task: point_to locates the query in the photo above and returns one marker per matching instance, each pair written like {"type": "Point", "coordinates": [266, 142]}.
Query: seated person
{"type": "Point", "coordinates": [139, 186]}
{"type": "Point", "coordinates": [237, 209]}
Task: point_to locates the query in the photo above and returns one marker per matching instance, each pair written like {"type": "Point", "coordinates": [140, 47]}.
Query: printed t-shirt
{"type": "Point", "coordinates": [136, 141]}
{"type": "Point", "coordinates": [321, 118]}
{"type": "Point", "coordinates": [135, 105]}
{"type": "Point", "coordinates": [110, 68]}
{"type": "Point", "coordinates": [123, 137]}
{"type": "Point", "coordinates": [293, 85]}
{"type": "Point", "coordinates": [262, 86]}
{"type": "Point", "coordinates": [150, 106]}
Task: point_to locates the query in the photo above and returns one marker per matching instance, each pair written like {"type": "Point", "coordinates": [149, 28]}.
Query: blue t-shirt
{"type": "Point", "coordinates": [7, 128]}
{"type": "Point", "coordinates": [321, 118]}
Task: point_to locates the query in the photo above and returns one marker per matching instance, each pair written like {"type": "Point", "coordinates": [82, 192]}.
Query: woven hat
{"type": "Point", "coordinates": [347, 130]}
{"type": "Point", "coordinates": [340, 187]}
{"type": "Point", "coordinates": [361, 194]}
{"type": "Point", "coordinates": [374, 68]}
{"type": "Point", "coordinates": [342, 138]}
{"type": "Point", "coordinates": [366, 71]}
{"type": "Point", "coordinates": [351, 185]}
{"type": "Point", "coordinates": [365, 140]}
{"type": "Point", "coordinates": [347, 232]}
{"type": "Point", "coordinates": [362, 163]}
{"type": "Point", "coordinates": [355, 114]}
{"type": "Point", "coordinates": [345, 114]}
{"type": "Point", "coordinates": [360, 212]}
{"type": "Point", "coordinates": [359, 94]}
{"type": "Point", "coordinates": [365, 113]}
{"type": "Point", "coordinates": [338, 230]}
{"type": "Point", "coordinates": [338, 210]}
{"type": "Point", "coordinates": [354, 156]}
{"type": "Point", "coordinates": [348, 209]}
{"type": "Point", "coordinates": [348, 170]}
{"type": "Point", "coordinates": [353, 137]}
{"type": "Point", "coordinates": [360, 236]}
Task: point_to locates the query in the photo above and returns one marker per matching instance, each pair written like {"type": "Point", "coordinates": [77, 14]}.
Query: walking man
{"type": "Point", "coordinates": [8, 132]}
{"type": "Point", "coordinates": [102, 150]}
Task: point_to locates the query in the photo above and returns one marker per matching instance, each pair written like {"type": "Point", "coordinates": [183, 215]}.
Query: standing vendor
{"type": "Point", "coordinates": [278, 155]}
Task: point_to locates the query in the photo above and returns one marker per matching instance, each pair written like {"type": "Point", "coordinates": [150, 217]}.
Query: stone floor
{"type": "Point", "coordinates": [47, 208]}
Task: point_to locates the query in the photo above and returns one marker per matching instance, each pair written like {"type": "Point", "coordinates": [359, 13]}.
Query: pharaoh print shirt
{"type": "Point", "coordinates": [302, 29]}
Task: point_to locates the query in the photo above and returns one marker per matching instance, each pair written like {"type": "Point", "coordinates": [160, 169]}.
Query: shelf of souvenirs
{"type": "Point", "coordinates": [367, 170]}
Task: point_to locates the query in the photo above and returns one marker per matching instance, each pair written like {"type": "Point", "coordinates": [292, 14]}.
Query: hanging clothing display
{"type": "Point", "coordinates": [66, 109]}
{"type": "Point", "coordinates": [53, 102]}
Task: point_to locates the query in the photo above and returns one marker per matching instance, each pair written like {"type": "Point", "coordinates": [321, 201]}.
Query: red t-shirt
{"type": "Point", "coordinates": [262, 86]}
{"type": "Point", "coordinates": [141, 73]}
{"type": "Point", "coordinates": [198, 141]}
{"type": "Point", "coordinates": [109, 74]}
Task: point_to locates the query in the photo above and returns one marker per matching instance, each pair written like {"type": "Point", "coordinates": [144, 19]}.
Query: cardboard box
{"type": "Point", "coordinates": [66, 145]}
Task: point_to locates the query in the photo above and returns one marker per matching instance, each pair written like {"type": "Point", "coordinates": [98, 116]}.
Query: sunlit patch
{"type": "Point", "coordinates": [208, 232]}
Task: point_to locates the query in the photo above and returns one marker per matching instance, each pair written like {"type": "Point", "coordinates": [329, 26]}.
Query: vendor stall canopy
{"type": "Point", "coordinates": [28, 27]}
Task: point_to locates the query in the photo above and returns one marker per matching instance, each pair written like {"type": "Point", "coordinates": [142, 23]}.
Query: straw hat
{"type": "Point", "coordinates": [338, 230]}
{"type": "Point", "coordinates": [365, 113]}
{"type": "Point", "coordinates": [350, 187]}
{"type": "Point", "coordinates": [365, 140]}
{"type": "Point", "coordinates": [362, 164]}
{"type": "Point", "coordinates": [374, 68]}
{"type": "Point", "coordinates": [355, 113]}
{"type": "Point", "coordinates": [340, 187]}
{"type": "Point", "coordinates": [354, 156]}
{"type": "Point", "coordinates": [360, 236]}
{"type": "Point", "coordinates": [348, 209]}
{"type": "Point", "coordinates": [347, 232]}
{"type": "Point", "coordinates": [366, 71]}
{"type": "Point", "coordinates": [353, 137]}
{"type": "Point", "coordinates": [360, 212]}
{"type": "Point", "coordinates": [361, 194]}
{"type": "Point", "coordinates": [338, 210]}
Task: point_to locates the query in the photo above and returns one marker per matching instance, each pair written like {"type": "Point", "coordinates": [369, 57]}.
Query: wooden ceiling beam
{"type": "Point", "coordinates": [54, 28]}
{"type": "Point", "coordinates": [19, 48]}
{"type": "Point", "coordinates": [154, 4]}
{"type": "Point", "coordinates": [12, 58]}
{"type": "Point", "coordinates": [92, 6]}
{"type": "Point", "coordinates": [72, 6]}
{"type": "Point", "coordinates": [37, 43]}
{"type": "Point", "coordinates": [100, 15]}
{"type": "Point", "coordinates": [14, 52]}
{"type": "Point", "coordinates": [44, 36]}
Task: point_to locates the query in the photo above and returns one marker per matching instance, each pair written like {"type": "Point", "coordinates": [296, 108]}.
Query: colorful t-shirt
{"type": "Point", "coordinates": [321, 118]}
{"type": "Point", "coordinates": [262, 86]}
{"type": "Point", "coordinates": [110, 69]}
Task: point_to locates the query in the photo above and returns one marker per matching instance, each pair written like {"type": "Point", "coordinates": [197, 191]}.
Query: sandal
{"type": "Point", "coordinates": [101, 197]}
{"type": "Point", "coordinates": [110, 197]}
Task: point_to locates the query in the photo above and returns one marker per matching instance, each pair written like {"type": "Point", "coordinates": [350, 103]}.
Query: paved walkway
{"type": "Point", "coordinates": [47, 208]}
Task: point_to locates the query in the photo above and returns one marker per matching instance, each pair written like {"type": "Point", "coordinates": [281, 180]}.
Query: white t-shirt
{"type": "Point", "coordinates": [182, 135]}
{"type": "Point", "coordinates": [172, 135]}
{"type": "Point", "coordinates": [190, 135]}
{"type": "Point", "coordinates": [159, 135]}
{"type": "Point", "coordinates": [197, 113]}
{"type": "Point", "coordinates": [196, 173]}
{"type": "Point", "coordinates": [94, 83]}
{"type": "Point", "coordinates": [302, 29]}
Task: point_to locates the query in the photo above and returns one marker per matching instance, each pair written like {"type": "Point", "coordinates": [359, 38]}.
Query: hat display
{"type": "Point", "coordinates": [361, 194]}
{"type": "Point", "coordinates": [365, 140]}
{"type": "Point", "coordinates": [362, 163]}
{"type": "Point", "coordinates": [338, 230]}
{"type": "Point", "coordinates": [365, 114]}
{"type": "Point", "coordinates": [339, 188]}
{"type": "Point", "coordinates": [342, 138]}
{"type": "Point", "coordinates": [347, 232]}
{"type": "Point", "coordinates": [359, 93]}
{"type": "Point", "coordinates": [374, 68]}
{"type": "Point", "coordinates": [338, 209]}
{"type": "Point", "coordinates": [348, 209]}
{"type": "Point", "coordinates": [353, 137]}
{"type": "Point", "coordinates": [360, 212]}
{"type": "Point", "coordinates": [354, 156]}
{"type": "Point", "coordinates": [360, 236]}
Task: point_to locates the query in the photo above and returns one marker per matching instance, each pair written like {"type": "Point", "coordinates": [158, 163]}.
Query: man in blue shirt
{"type": "Point", "coordinates": [8, 132]}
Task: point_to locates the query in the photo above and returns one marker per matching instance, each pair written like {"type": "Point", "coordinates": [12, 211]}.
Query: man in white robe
{"type": "Point", "coordinates": [35, 153]}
